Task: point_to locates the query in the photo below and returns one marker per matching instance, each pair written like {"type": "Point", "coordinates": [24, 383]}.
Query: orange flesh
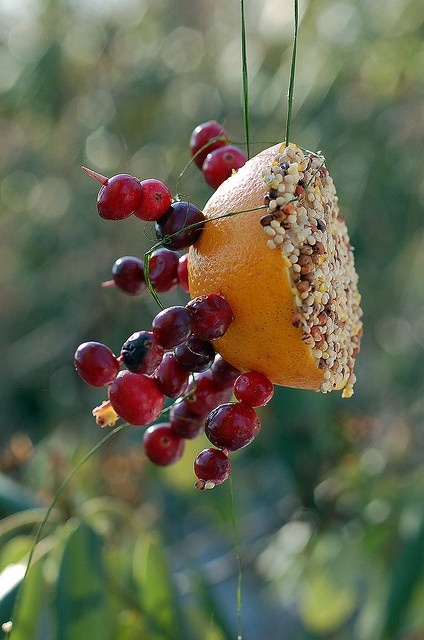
{"type": "Point", "coordinates": [231, 258]}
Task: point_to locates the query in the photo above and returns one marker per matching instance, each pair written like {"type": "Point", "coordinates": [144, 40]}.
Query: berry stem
{"type": "Point", "coordinates": [239, 569]}
{"type": "Point", "coordinates": [192, 160]}
{"type": "Point", "coordinates": [245, 78]}
{"type": "Point", "coordinates": [147, 277]}
{"type": "Point", "coordinates": [292, 72]}
{"type": "Point", "coordinates": [97, 176]}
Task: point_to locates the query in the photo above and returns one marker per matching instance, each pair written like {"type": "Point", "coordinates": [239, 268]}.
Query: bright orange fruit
{"type": "Point", "coordinates": [286, 269]}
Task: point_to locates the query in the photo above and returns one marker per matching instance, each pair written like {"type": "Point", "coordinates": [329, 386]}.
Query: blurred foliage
{"type": "Point", "coordinates": [328, 501]}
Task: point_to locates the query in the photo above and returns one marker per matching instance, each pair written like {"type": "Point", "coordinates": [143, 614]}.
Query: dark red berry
{"type": "Point", "coordinates": [223, 373]}
{"type": "Point", "coordinates": [203, 395]}
{"type": "Point", "coordinates": [195, 354]}
{"type": "Point", "coordinates": [142, 353]}
{"type": "Point", "coordinates": [173, 229]}
{"type": "Point", "coordinates": [161, 445]}
{"type": "Point", "coordinates": [205, 133]}
{"type": "Point", "coordinates": [172, 326]}
{"type": "Point", "coordinates": [96, 364]}
{"type": "Point", "coordinates": [183, 272]}
{"type": "Point", "coordinates": [232, 425]}
{"type": "Point", "coordinates": [220, 164]}
{"type": "Point", "coordinates": [136, 398]}
{"type": "Point", "coordinates": [185, 423]}
{"type": "Point", "coordinates": [210, 315]}
{"type": "Point", "coordinates": [156, 200]}
{"type": "Point", "coordinates": [128, 275]}
{"type": "Point", "coordinates": [170, 377]}
{"type": "Point", "coordinates": [163, 270]}
{"type": "Point", "coordinates": [253, 389]}
{"type": "Point", "coordinates": [213, 467]}
{"type": "Point", "coordinates": [119, 197]}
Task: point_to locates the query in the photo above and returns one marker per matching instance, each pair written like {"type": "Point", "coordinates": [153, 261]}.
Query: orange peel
{"type": "Point", "coordinates": [287, 270]}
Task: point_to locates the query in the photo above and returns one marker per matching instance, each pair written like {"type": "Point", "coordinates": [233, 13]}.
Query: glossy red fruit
{"type": "Point", "coordinates": [195, 355]}
{"type": "Point", "coordinates": [205, 133]}
{"type": "Point", "coordinates": [163, 270]}
{"type": "Point", "coordinates": [136, 398]}
{"type": "Point", "coordinates": [156, 200]}
{"type": "Point", "coordinates": [210, 315]}
{"type": "Point", "coordinates": [161, 445]}
{"type": "Point", "coordinates": [119, 197]}
{"type": "Point", "coordinates": [232, 425]}
{"type": "Point", "coordinates": [204, 395]}
{"type": "Point", "coordinates": [170, 377]}
{"type": "Point", "coordinates": [183, 272]}
{"type": "Point", "coordinates": [253, 389]}
{"type": "Point", "coordinates": [220, 164]}
{"type": "Point", "coordinates": [128, 275]}
{"type": "Point", "coordinates": [172, 326]}
{"type": "Point", "coordinates": [175, 227]}
{"type": "Point", "coordinates": [96, 364]}
{"type": "Point", "coordinates": [212, 466]}
{"type": "Point", "coordinates": [223, 373]}
{"type": "Point", "coordinates": [185, 423]}
{"type": "Point", "coordinates": [142, 353]}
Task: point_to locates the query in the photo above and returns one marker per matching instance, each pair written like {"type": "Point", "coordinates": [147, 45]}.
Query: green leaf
{"type": "Point", "coordinates": [156, 590]}
{"type": "Point", "coordinates": [31, 599]}
{"type": "Point", "coordinates": [81, 593]}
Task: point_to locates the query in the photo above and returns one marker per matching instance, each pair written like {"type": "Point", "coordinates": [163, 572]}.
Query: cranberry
{"type": "Point", "coordinates": [219, 164]}
{"type": "Point", "coordinates": [172, 326]}
{"type": "Point", "coordinates": [195, 355]}
{"type": "Point", "coordinates": [119, 197]}
{"type": "Point", "coordinates": [205, 395]}
{"type": "Point", "coordinates": [161, 445]}
{"type": "Point", "coordinates": [213, 467]}
{"type": "Point", "coordinates": [128, 275]}
{"type": "Point", "coordinates": [96, 364]}
{"type": "Point", "coordinates": [173, 229]}
{"type": "Point", "coordinates": [202, 135]}
{"type": "Point", "coordinates": [183, 272]}
{"type": "Point", "coordinates": [224, 374]}
{"type": "Point", "coordinates": [136, 398]}
{"type": "Point", "coordinates": [184, 422]}
{"type": "Point", "coordinates": [156, 200]}
{"type": "Point", "coordinates": [142, 353]}
{"type": "Point", "coordinates": [232, 425]}
{"type": "Point", "coordinates": [210, 316]}
{"type": "Point", "coordinates": [163, 270]}
{"type": "Point", "coordinates": [170, 377]}
{"type": "Point", "coordinates": [253, 389]}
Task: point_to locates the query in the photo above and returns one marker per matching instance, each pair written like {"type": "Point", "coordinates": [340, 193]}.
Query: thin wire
{"type": "Point", "coordinates": [292, 72]}
{"type": "Point", "coordinates": [238, 558]}
{"type": "Point", "coordinates": [245, 78]}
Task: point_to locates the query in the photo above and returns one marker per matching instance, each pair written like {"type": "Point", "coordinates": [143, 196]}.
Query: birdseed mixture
{"type": "Point", "coordinates": [304, 222]}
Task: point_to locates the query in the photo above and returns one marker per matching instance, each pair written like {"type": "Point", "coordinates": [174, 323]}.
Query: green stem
{"type": "Point", "coordinates": [245, 78]}
{"type": "Point", "coordinates": [239, 569]}
{"type": "Point", "coordinates": [292, 72]}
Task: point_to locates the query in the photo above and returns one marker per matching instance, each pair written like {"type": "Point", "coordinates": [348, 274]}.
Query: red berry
{"type": "Point", "coordinates": [170, 377]}
{"type": "Point", "coordinates": [253, 389]}
{"type": "Point", "coordinates": [142, 353]}
{"type": "Point", "coordinates": [232, 425]}
{"type": "Point", "coordinates": [136, 398]}
{"type": "Point", "coordinates": [172, 326]}
{"type": "Point", "coordinates": [163, 270]}
{"type": "Point", "coordinates": [224, 374]}
{"type": "Point", "coordinates": [119, 197]}
{"type": "Point", "coordinates": [202, 135]}
{"type": "Point", "coordinates": [195, 354]}
{"type": "Point", "coordinates": [161, 445]}
{"type": "Point", "coordinates": [156, 200]}
{"type": "Point", "coordinates": [210, 316]}
{"type": "Point", "coordinates": [96, 364]}
{"type": "Point", "coordinates": [183, 272]}
{"type": "Point", "coordinates": [185, 423]}
{"type": "Point", "coordinates": [219, 164]}
{"type": "Point", "coordinates": [173, 229]}
{"type": "Point", "coordinates": [128, 275]}
{"type": "Point", "coordinates": [205, 395]}
{"type": "Point", "coordinates": [213, 467]}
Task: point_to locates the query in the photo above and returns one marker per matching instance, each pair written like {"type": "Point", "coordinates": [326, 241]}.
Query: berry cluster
{"type": "Point", "coordinates": [213, 154]}
{"type": "Point", "coordinates": [172, 369]}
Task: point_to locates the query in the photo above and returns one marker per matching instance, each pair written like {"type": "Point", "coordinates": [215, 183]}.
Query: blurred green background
{"type": "Point", "coordinates": [329, 500]}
